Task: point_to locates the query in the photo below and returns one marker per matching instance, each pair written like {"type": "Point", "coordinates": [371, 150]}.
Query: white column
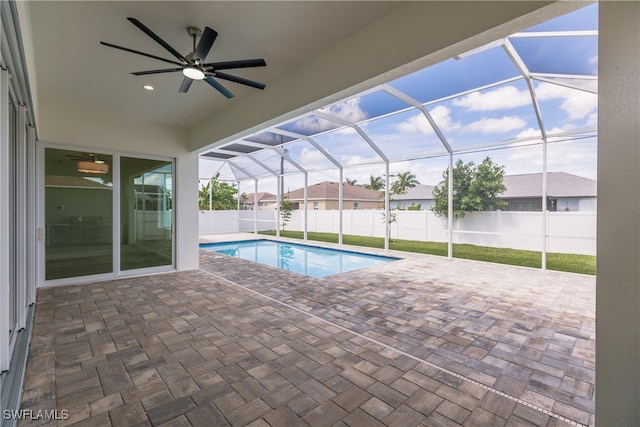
{"type": "Point", "coordinates": [618, 276]}
{"type": "Point", "coordinates": [340, 205]}
{"type": "Point", "coordinates": [545, 213]}
{"type": "Point", "coordinates": [255, 207]}
{"type": "Point", "coordinates": [450, 208]}
{"type": "Point", "coordinates": [306, 219]}
{"type": "Point", "coordinates": [211, 193]}
{"type": "Point", "coordinates": [387, 211]}
{"type": "Point", "coordinates": [278, 198]}
{"type": "Point", "coordinates": [238, 197]}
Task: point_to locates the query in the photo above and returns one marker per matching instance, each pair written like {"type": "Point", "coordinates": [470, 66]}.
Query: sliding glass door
{"type": "Point", "coordinates": [145, 213]}
{"type": "Point", "coordinates": [78, 213]}
{"type": "Point", "coordinates": [81, 191]}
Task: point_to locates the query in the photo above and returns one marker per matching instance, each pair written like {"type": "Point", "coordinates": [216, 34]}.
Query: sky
{"type": "Point", "coordinates": [465, 116]}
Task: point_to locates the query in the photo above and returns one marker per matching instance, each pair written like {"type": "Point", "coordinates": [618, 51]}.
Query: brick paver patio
{"type": "Point", "coordinates": [419, 341]}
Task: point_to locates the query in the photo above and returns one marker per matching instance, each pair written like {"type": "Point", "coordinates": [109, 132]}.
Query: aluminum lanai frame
{"type": "Point", "coordinates": [284, 155]}
{"type": "Point", "coordinates": [525, 74]}
{"type": "Point", "coordinates": [332, 160]}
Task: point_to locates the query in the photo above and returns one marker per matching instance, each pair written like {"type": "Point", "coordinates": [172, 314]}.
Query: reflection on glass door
{"type": "Point", "coordinates": [78, 213]}
{"type": "Point", "coordinates": [145, 213]}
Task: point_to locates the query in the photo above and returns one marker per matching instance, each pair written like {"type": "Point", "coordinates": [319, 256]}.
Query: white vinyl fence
{"type": "Point", "coordinates": [568, 232]}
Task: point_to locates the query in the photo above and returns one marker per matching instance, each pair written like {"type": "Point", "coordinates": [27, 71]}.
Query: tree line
{"type": "Point", "coordinates": [476, 187]}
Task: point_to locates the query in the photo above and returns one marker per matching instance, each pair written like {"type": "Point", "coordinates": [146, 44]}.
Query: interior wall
{"type": "Point", "coordinates": [62, 203]}
{"type": "Point", "coordinates": [618, 271]}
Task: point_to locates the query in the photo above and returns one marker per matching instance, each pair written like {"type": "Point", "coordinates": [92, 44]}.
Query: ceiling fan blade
{"type": "Point", "coordinates": [242, 63]}
{"type": "Point", "coordinates": [166, 70]}
{"type": "Point", "coordinates": [158, 40]}
{"type": "Point", "coordinates": [186, 84]}
{"type": "Point", "coordinates": [148, 55]}
{"type": "Point", "coordinates": [205, 43]}
{"type": "Point", "coordinates": [217, 86]}
{"type": "Point", "coordinates": [240, 80]}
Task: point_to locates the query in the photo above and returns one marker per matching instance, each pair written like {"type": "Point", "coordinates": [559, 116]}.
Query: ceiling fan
{"type": "Point", "coordinates": [192, 65]}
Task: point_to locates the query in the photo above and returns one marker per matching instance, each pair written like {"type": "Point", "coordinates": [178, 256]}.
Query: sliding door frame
{"type": "Point", "coordinates": [116, 272]}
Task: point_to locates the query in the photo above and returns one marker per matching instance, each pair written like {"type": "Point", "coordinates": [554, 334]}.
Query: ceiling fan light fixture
{"type": "Point", "coordinates": [193, 73]}
{"type": "Point", "coordinates": [92, 167]}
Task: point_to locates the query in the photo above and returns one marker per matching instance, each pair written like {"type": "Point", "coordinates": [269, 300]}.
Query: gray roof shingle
{"type": "Point", "coordinates": [328, 190]}
{"type": "Point", "coordinates": [262, 196]}
{"type": "Point", "coordinates": [559, 184]}
{"type": "Point", "coordinates": [419, 192]}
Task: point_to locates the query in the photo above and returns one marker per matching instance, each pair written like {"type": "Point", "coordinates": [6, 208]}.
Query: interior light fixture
{"type": "Point", "coordinates": [148, 87]}
{"type": "Point", "coordinates": [193, 73]}
{"type": "Point", "coordinates": [92, 167]}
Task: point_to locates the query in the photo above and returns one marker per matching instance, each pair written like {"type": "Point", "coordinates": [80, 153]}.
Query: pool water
{"type": "Point", "coordinates": [308, 260]}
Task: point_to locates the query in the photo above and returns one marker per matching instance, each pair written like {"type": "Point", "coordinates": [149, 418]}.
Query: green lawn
{"type": "Point", "coordinates": [572, 263]}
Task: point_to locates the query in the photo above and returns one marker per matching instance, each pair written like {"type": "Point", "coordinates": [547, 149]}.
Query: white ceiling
{"type": "Point", "coordinates": [74, 70]}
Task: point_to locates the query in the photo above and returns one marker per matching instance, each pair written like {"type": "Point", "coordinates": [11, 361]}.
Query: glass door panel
{"type": "Point", "coordinates": [78, 213]}
{"type": "Point", "coordinates": [145, 213]}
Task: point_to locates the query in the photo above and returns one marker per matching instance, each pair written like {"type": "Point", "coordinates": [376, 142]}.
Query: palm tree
{"type": "Point", "coordinates": [204, 201]}
{"type": "Point", "coordinates": [375, 183]}
{"type": "Point", "coordinates": [403, 182]}
{"type": "Point", "coordinates": [351, 181]}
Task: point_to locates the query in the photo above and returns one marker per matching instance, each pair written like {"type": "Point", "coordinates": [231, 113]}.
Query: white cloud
{"type": "Point", "coordinates": [311, 157]}
{"type": "Point", "coordinates": [358, 160]}
{"type": "Point", "coordinates": [419, 124]}
{"type": "Point", "coordinates": [442, 116]}
{"type": "Point", "coordinates": [530, 133]}
{"type": "Point", "coordinates": [592, 120]}
{"type": "Point", "coordinates": [415, 124]}
{"type": "Point", "coordinates": [575, 103]}
{"type": "Point", "coordinates": [312, 124]}
{"type": "Point", "coordinates": [503, 98]}
{"type": "Point", "coordinates": [577, 157]}
{"type": "Point", "coordinates": [502, 125]}
{"type": "Point", "coordinates": [348, 110]}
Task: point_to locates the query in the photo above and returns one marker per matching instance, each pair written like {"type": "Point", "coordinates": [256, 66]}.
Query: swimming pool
{"type": "Point", "coordinates": [308, 260]}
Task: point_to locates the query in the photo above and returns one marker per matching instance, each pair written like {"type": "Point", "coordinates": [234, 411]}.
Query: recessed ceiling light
{"type": "Point", "coordinates": [148, 87]}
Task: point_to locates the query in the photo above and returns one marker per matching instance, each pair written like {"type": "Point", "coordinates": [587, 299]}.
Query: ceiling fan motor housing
{"type": "Point", "coordinates": [194, 31]}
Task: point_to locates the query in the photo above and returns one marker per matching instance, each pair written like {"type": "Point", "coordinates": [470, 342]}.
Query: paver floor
{"type": "Point", "coordinates": [419, 341]}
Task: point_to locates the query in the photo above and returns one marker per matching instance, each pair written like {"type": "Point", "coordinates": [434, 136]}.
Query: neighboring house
{"type": "Point", "coordinates": [565, 192]}
{"type": "Point", "coordinates": [419, 195]}
{"type": "Point", "coordinates": [324, 196]}
{"type": "Point", "coordinates": [265, 200]}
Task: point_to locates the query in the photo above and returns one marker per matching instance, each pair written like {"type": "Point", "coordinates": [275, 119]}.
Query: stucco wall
{"type": "Point", "coordinates": [618, 280]}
